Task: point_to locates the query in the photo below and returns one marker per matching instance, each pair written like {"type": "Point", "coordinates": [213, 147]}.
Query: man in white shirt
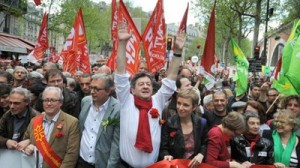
{"type": "Point", "coordinates": [140, 130]}
{"type": "Point", "coordinates": [99, 125]}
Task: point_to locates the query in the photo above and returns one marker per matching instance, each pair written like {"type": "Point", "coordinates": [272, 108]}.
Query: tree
{"type": "Point", "coordinates": [290, 10]}
{"type": "Point", "coordinates": [96, 20]}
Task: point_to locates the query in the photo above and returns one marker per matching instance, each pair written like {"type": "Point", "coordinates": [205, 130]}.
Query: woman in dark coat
{"type": "Point", "coordinates": [251, 146]}
{"type": "Point", "coordinates": [184, 134]}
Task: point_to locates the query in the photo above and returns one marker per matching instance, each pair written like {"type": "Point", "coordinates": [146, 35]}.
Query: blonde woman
{"type": "Point", "coordinates": [286, 143]}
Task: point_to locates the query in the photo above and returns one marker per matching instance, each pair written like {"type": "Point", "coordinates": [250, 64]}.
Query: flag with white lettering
{"type": "Point", "coordinates": [133, 44]}
{"type": "Point", "coordinates": [154, 39]}
{"type": "Point", "coordinates": [38, 53]}
{"type": "Point", "coordinates": [75, 53]}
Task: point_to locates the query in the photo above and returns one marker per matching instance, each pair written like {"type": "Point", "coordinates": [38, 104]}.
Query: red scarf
{"type": "Point", "coordinates": [252, 139]}
{"type": "Point", "coordinates": [143, 136]}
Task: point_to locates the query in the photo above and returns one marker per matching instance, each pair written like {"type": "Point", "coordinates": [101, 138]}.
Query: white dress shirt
{"type": "Point", "coordinates": [129, 119]}
{"type": "Point", "coordinates": [48, 128]}
{"type": "Point", "coordinates": [90, 132]}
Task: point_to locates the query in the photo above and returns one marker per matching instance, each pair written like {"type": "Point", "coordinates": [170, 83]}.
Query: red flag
{"type": "Point", "coordinates": [182, 26]}
{"type": "Point", "coordinates": [133, 44]}
{"type": "Point", "coordinates": [207, 60]}
{"type": "Point", "coordinates": [38, 53]}
{"type": "Point", "coordinates": [278, 68]}
{"type": "Point", "coordinates": [111, 62]}
{"type": "Point", "coordinates": [37, 2]}
{"type": "Point", "coordinates": [54, 57]}
{"type": "Point", "coordinates": [179, 163]}
{"type": "Point", "coordinates": [75, 52]}
{"type": "Point", "coordinates": [154, 39]}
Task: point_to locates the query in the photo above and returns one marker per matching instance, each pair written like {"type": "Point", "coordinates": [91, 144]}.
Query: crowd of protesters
{"type": "Point", "coordinates": [112, 119]}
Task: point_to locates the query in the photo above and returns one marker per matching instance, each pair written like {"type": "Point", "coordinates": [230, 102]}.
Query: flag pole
{"type": "Point", "coordinates": [272, 104]}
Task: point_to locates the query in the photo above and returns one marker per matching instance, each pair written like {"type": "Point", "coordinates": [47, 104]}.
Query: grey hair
{"type": "Point", "coordinates": [20, 68]}
{"type": "Point", "coordinates": [67, 74]}
{"type": "Point", "coordinates": [58, 91]}
{"type": "Point", "coordinates": [35, 75]}
{"type": "Point", "coordinates": [207, 99]}
{"type": "Point", "coordinates": [71, 82]}
{"type": "Point", "coordinates": [108, 80]}
{"type": "Point", "coordinates": [22, 91]}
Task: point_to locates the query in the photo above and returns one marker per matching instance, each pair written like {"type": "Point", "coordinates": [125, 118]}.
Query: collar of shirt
{"type": "Point", "coordinates": [24, 114]}
{"type": "Point", "coordinates": [54, 119]}
{"type": "Point", "coordinates": [102, 107]}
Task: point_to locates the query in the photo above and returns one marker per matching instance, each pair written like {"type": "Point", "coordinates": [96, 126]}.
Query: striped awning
{"type": "Point", "coordinates": [11, 43]}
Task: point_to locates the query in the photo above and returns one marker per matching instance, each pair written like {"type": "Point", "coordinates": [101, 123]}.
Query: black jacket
{"type": "Point", "coordinates": [263, 151]}
{"type": "Point", "coordinates": [175, 146]}
{"type": "Point", "coordinates": [7, 126]}
{"type": "Point", "coordinates": [268, 134]}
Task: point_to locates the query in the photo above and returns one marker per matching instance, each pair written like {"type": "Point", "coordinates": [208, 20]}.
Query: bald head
{"type": "Point", "coordinates": [104, 69]}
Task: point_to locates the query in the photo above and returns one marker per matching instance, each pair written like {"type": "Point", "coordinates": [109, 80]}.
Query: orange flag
{"type": "Point", "coordinates": [75, 53]}
{"type": "Point", "coordinates": [38, 53]}
{"type": "Point", "coordinates": [207, 60]}
{"type": "Point", "coordinates": [154, 39]}
{"type": "Point", "coordinates": [182, 26]}
{"type": "Point", "coordinates": [111, 62]}
{"type": "Point", "coordinates": [133, 44]}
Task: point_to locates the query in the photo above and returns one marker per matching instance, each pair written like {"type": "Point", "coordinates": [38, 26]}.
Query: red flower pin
{"type": "Point", "coordinates": [154, 113]}
{"type": "Point", "coordinates": [59, 134]}
{"type": "Point", "coordinates": [172, 134]}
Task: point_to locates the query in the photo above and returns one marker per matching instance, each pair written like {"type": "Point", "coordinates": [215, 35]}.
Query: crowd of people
{"type": "Point", "coordinates": [114, 119]}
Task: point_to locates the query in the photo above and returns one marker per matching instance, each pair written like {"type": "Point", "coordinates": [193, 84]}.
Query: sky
{"type": "Point", "coordinates": [174, 9]}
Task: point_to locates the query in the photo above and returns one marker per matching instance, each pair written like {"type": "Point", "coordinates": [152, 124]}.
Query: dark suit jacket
{"type": "Point", "coordinates": [67, 146]}
{"type": "Point", "coordinates": [175, 146]}
{"type": "Point", "coordinates": [107, 152]}
{"type": "Point", "coordinates": [7, 126]}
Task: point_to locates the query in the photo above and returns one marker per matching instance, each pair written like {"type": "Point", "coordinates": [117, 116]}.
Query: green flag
{"type": "Point", "coordinates": [293, 72]}
{"type": "Point", "coordinates": [242, 65]}
{"type": "Point", "coordinates": [284, 86]}
{"type": "Point", "coordinates": [266, 70]}
{"type": "Point", "coordinates": [289, 47]}
{"type": "Point", "coordinates": [287, 82]}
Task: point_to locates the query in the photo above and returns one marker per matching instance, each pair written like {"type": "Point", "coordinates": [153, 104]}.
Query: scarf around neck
{"type": "Point", "coordinates": [283, 155]}
{"type": "Point", "coordinates": [252, 138]}
{"type": "Point", "coordinates": [143, 136]}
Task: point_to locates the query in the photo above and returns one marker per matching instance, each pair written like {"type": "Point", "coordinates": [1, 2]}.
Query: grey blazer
{"type": "Point", "coordinates": [107, 145]}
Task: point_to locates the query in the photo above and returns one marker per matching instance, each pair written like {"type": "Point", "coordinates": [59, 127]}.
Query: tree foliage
{"type": "Point", "coordinates": [234, 18]}
{"type": "Point", "coordinates": [290, 10]}
{"type": "Point", "coordinates": [97, 19]}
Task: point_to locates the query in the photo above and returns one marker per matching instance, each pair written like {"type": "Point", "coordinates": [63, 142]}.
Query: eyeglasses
{"type": "Point", "coordinates": [50, 100]}
{"type": "Point", "coordinates": [96, 89]}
